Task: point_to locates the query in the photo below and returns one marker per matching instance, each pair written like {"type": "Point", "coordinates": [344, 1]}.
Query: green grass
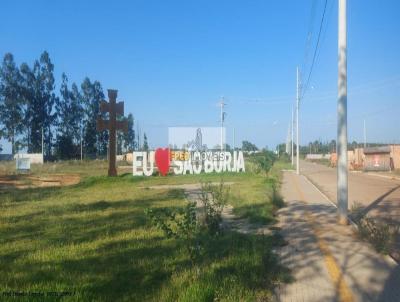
{"type": "Point", "coordinates": [94, 240]}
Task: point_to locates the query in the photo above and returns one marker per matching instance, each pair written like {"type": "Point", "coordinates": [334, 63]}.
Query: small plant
{"type": "Point", "coordinates": [180, 224]}
{"type": "Point", "coordinates": [356, 210]}
{"type": "Point", "coordinates": [213, 198]}
{"type": "Point", "coordinates": [380, 234]}
{"type": "Point", "coordinates": [183, 224]}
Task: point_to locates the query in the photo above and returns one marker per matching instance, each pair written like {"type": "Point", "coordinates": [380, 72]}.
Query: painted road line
{"type": "Point", "coordinates": [336, 274]}
{"type": "Point", "coordinates": [388, 258]}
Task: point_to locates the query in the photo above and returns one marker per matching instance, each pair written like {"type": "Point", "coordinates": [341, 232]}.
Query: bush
{"type": "Point", "coordinates": [381, 235]}
{"type": "Point", "coordinates": [214, 199]}
{"type": "Point", "coordinates": [180, 224]}
{"type": "Point", "coordinates": [183, 224]}
{"type": "Point", "coordinates": [263, 161]}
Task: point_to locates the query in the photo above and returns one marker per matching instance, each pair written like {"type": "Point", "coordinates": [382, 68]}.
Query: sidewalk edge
{"type": "Point", "coordinates": [388, 258]}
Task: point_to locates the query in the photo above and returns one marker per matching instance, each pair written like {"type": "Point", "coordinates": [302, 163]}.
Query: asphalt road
{"type": "Point", "coordinates": [378, 196]}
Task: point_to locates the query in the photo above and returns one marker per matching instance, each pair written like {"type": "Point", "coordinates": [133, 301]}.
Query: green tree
{"type": "Point", "coordinates": [247, 146]}
{"type": "Point", "coordinates": [38, 91]}
{"type": "Point", "coordinates": [91, 112]}
{"type": "Point", "coordinates": [11, 102]}
{"type": "Point", "coordinates": [95, 143]}
{"type": "Point", "coordinates": [126, 141]}
{"type": "Point", "coordinates": [69, 118]}
{"type": "Point", "coordinates": [129, 137]}
{"type": "Point", "coordinates": [27, 93]}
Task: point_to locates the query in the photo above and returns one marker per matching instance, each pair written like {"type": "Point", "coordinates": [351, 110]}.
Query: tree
{"type": "Point", "coordinates": [27, 94]}
{"type": "Point", "coordinates": [38, 91]}
{"type": "Point", "coordinates": [91, 112]}
{"type": "Point", "coordinates": [126, 141]}
{"type": "Point", "coordinates": [101, 137]}
{"type": "Point", "coordinates": [95, 142]}
{"type": "Point", "coordinates": [247, 146]}
{"type": "Point", "coordinates": [69, 118]}
{"type": "Point", "coordinates": [145, 144]}
{"type": "Point", "coordinates": [11, 102]}
{"type": "Point", "coordinates": [129, 137]}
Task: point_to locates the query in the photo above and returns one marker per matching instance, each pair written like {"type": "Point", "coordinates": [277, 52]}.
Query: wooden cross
{"type": "Point", "coordinates": [112, 125]}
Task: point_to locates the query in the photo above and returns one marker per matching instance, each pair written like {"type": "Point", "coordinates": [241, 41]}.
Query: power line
{"type": "Point", "coordinates": [329, 15]}
{"type": "Point", "coordinates": [309, 34]}
{"type": "Point", "coordinates": [315, 51]}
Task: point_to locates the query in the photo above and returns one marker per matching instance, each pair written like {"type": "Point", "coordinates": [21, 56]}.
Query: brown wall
{"type": "Point", "coordinates": [395, 154]}
{"type": "Point", "coordinates": [377, 162]}
{"type": "Point", "coordinates": [357, 158]}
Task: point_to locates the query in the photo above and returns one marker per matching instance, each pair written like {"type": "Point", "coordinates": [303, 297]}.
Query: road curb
{"type": "Point", "coordinates": [388, 258]}
{"type": "Point", "coordinates": [384, 176]}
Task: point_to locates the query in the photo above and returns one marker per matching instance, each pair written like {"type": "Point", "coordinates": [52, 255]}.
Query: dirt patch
{"type": "Point", "coordinates": [30, 181]}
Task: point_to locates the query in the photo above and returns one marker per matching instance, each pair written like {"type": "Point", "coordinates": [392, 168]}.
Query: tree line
{"type": "Point", "coordinates": [31, 110]}
{"type": "Point", "coordinates": [319, 147]}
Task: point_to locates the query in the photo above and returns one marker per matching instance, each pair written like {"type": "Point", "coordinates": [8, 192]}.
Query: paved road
{"type": "Point", "coordinates": [327, 261]}
{"type": "Point", "coordinates": [379, 196]}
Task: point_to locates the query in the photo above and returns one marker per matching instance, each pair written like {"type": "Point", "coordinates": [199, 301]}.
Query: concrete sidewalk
{"type": "Point", "coordinates": [370, 195]}
{"type": "Point", "coordinates": [327, 261]}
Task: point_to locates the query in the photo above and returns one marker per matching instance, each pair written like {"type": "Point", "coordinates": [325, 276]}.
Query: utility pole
{"type": "Point", "coordinates": [365, 135]}
{"type": "Point", "coordinates": [297, 126]}
{"type": "Point", "coordinates": [292, 139]}
{"type": "Point", "coordinates": [222, 104]}
{"type": "Point", "coordinates": [342, 181]}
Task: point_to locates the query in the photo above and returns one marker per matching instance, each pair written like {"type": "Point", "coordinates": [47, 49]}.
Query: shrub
{"type": "Point", "coordinates": [213, 198]}
{"type": "Point", "coordinates": [380, 234]}
{"type": "Point", "coordinates": [183, 224]}
{"type": "Point", "coordinates": [180, 224]}
{"type": "Point", "coordinates": [263, 161]}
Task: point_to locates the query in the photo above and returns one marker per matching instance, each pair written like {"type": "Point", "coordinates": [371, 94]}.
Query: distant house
{"type": "Point", "coordinates": [378, 159]}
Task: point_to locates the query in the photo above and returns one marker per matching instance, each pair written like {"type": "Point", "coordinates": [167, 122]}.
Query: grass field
{"type": "Point", "coordinates": [93, 241]}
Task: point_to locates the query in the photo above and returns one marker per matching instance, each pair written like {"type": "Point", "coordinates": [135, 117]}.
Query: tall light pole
{"type": "Point", "coordinates": [297, 124]}
{"type": "Point", "coordinates": [292, 139]}
{"type": "Point", "coordinates": [342, 182]}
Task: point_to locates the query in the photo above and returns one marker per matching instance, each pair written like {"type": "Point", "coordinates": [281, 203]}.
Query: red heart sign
{"type": "Point", "coordinates": [162, 160]}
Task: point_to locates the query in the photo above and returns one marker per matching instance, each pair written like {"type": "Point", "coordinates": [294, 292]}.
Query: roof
{"type": "Point", "coordinates": [377, 150]}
